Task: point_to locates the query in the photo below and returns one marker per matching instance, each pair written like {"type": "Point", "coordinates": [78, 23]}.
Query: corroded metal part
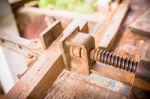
{"type": "Point", "coordinates": [141, 85]}
{"type": "Point", "coordinates": [114, 60]}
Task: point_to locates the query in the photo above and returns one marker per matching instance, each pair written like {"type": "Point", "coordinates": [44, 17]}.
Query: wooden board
{"type": "Point", "coordinates": [68, 86]}
{"type": "Point", "coordinates": [112, 30]}
{"type": "Point", "coordinates": [106, 32]}
{"type": "Point", "coordinates": [50, 34]}
{"type": "Point", "coordinates": [117, 74]}
{"type": "Point", "coordinates": [132, 44]}
{"type": "Point", "coordinates": [44, 71]}
{"type": "Point", "coordinates": [142, 24]}
{"type": "Point", "coordinates": [37, 80]}
{"type": "Point", "coordinates": [73, 87]}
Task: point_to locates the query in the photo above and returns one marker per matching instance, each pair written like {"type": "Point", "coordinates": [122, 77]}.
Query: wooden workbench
{"type": "Point", "coordinates": [42, 75]}
{"type": "Point", "coordinates": [68, 86]}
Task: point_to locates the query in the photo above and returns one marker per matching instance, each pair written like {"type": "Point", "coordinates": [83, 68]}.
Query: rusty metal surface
{"type": "Point", "coordinates": [142, 75]}
{"type": "Point", "coordinates": [85, 42]}
{"type": "Point", "coordinates": [142, 24]}
{"type": "Point", "coordinates": [114, 60]}
{"type": "Point", "coordinates": [141, 85]}
{"type": "Point", "coordinates": [131, 44]}
{"type": "Point", "coordinates": [128, 44]}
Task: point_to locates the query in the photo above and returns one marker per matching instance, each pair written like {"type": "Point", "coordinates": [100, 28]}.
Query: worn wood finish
{"type": "Point", "coordinates": [77, 89]}
{"type": "Point", "coordinates": [142, 24]}
{"type": "Point", "coordinates": [136, 47]}
{"type": "Point", "coordinates": [73, 28]}
{"type": "Point", "coordinates": [50, 34]}
{"type": "Point", "coordinates": [68, 86]}
{"type": "Point", "coordinates": [111, 33]}
{"type": "Point", "coordinates": [79, 46]}
{"type": "Point", "coordinates": [37, 80]}
{"type": "Point", "coordinates": [19, 44]}
{"type": "Point", "coordinates": [97, 31]}
{"type": "Point", "coordinates": [117, 74]}
{"type": "Point", "coordinates": [84, 26]}
{"type": "Point", "coordinates": [39, 75]}
{"type": "Point", "coordinates": [106, 32]}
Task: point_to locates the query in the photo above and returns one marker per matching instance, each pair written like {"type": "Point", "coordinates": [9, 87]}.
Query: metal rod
{"type": "Point", "coordinates": [114, 60]}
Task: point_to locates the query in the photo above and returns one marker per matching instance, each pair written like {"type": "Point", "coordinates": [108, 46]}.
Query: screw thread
{"type": "Point", "coordinates": [114, 60]}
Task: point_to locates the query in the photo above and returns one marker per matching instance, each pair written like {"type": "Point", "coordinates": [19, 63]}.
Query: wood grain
{"type": "Point", "coordinates": [142, 24]}
{"type": "Point", "coordinates": [117, 74]}
{"type": "Point", "coordinates": [50, 34]}
{"type": "Point", "coordinates": [68, 86]}
{"type": "Point", "coordinates": [37, 80]}
{"type": "Point", "coordinates": [112, 29]}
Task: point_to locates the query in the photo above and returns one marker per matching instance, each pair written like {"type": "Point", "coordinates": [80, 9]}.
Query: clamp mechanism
{"type": "Point", "coordinates": [79, 54]}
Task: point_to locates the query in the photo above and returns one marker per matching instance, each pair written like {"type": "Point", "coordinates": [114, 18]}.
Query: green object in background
{"type": "Point", "coordinates": [85, 6]}
{"type": "Point", "coordinates": [46, 3]}
{"type": "Point", "coordinates": [62, 4]}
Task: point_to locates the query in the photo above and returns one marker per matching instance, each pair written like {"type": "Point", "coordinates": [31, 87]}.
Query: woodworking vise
{"type": "Point", "coordinates": [79, 54]}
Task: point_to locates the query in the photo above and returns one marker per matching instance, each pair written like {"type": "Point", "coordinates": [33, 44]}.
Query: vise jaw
{"type": "Point", "coordinates": [76, 48]}
{"type": "Point", "coordinates": [79, 54]}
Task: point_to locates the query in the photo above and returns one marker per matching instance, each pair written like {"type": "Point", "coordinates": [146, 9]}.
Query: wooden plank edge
{"type": "Point", "coordinates": [112, 30]}
{"type": "Point", "coordinates": [50, 34]}
{"type": "Point", "coordinates": [38, 79]}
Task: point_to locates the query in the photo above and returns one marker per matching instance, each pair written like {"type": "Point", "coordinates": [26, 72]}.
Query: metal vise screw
{"type": "Point", "coordinates": [114, 60]}
{"type": "Point", "coordinates": [141, 70]}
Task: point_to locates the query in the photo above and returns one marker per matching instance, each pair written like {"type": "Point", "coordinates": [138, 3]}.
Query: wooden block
{"type": "Point", "coordinates": [142, 24]}
{"type": "Point", "coordinates": [74, 27]}
{"type": "Point", "coordinates": [50, 34]}
{"type": "Point", "coordinates": [83, 25]}
{"type": "Point", "coordinates": [38, 79]}
{"type": "Point", "coordinates": [112, 30]}
{"type": "Point", "coordinates": [98, 31]}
